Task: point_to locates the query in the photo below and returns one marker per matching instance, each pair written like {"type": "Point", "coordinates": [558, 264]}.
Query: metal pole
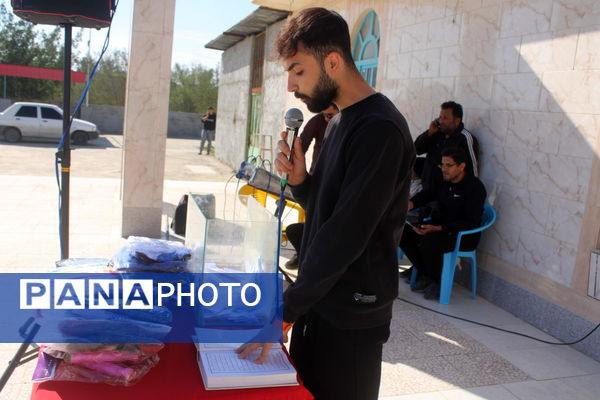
{"type": "Point", "coordinates": [66, 150]}
{"type": "Point", "coordinates": [89, 56]}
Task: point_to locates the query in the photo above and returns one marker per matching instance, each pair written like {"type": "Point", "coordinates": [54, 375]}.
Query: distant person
{"type": "Point", "coordinates": [313, 130]}
{"type": "Point", "coordinates": [447, 130]}
{"type": "Point", "coordinates": [459, 200]}
{"type": "Point", "coordinates": [209, 123]}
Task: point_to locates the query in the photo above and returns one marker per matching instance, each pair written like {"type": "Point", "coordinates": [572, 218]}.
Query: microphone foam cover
{"type": "Point", "coordinates": [293, 118]}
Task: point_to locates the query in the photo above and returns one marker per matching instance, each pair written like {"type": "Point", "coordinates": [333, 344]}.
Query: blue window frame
{"type": "Point", "coordinates": [366, 48]}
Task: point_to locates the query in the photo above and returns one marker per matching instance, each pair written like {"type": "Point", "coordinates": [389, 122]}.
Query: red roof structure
{"type": "Point", "coordinates": [24, 71]}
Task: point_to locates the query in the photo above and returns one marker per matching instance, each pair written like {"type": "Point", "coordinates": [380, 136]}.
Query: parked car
{"type": "Point", "coordinates": [39, 120]}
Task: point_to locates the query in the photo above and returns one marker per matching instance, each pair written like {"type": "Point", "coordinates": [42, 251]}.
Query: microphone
{"type": "Point", "coordinates": [293, 121]}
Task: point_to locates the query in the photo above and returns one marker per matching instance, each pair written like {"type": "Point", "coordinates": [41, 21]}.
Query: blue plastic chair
{"type": "Point", "coordinates": [451, 258]}
{"type": "Point", "coordinates": [399, 253]}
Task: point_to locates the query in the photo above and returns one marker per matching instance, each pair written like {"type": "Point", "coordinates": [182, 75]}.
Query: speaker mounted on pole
{"type": "Point", "coordinates": [67, 13]}
{"type": "Point", "coordinates": [78, 13]}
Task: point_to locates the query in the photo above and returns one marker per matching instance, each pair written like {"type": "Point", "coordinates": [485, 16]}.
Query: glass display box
{"type": "Point", "coordinates": [244, 238]}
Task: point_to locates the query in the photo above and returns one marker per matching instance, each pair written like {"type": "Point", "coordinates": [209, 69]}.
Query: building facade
{"type": "Point", "coordinates": [528, 76]}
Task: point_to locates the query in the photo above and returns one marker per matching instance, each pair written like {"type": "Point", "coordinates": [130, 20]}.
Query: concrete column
{"type": "Point", "coordinates": [146, 117]}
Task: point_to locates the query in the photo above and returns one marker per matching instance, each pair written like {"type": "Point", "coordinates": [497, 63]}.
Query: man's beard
{"type": "Point", "coordinates": [323, 94]}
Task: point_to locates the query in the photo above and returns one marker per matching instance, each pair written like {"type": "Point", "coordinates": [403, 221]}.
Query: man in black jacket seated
{"type": "Point", "coordinates": [447, 130]}
{"type": "Point", "coordinates": [355, 201]}
{"type": "Point", "coordinates": [458, 201]}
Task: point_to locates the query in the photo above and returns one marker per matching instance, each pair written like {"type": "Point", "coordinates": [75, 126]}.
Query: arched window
{"type": "Point", "coordinates": [366, 48]}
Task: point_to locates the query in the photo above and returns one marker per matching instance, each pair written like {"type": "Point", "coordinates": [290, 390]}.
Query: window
{"type": "Point", "coordinates": [50, 113]}
{"type": "Point", "coordinates": [366, 48]}
{"type": "Point", "coordinates": [27, 111]}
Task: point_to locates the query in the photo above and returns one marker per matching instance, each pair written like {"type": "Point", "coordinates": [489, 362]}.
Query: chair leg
{"type": "Point", "coordinates": [413, 276]}
{"type": "Point", "coordinates": [474, 276]}
{"type": "Point", "coordinates": [447, 278]}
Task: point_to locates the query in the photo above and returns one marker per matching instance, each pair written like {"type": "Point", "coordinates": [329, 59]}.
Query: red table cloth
{"type": "Point", "coordinates": [176, 377]}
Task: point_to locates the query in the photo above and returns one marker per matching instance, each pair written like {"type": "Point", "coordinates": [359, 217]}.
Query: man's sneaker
{"type": "Point", "coordinates": [406, 273]}
{"type": "Point", "coordinates": [432, 292]}
{"type": "Point", "coordinates": [292, 263]}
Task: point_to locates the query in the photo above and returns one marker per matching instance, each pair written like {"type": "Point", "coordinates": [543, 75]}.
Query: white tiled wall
{"type": "Point", "coordinates": [527, 73]}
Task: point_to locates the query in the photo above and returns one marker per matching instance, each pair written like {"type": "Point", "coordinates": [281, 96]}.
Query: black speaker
{"type": "Point", "coordinates": [82, 13]}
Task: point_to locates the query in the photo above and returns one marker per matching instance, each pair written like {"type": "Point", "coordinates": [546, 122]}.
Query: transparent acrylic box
{"type": "Point", "coordinates": [245, 239]}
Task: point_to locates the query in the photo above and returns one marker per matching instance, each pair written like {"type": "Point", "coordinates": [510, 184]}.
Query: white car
{"type": "Point", "coordinates": [39, 120]}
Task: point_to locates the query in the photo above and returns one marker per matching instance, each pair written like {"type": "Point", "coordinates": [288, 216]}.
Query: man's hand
{"type": "Point", "coordinates": [433, 128]}
{"type": "Point", "coordinates": [248, 348]}
{"type": "Point", "coordinates": [411, 205]}
{"type": "Point", "coordinates": [426, 229]}
{"type": "Point", "coordinates": [294, 168]}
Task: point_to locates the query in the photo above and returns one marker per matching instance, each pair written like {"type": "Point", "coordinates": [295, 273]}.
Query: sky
{"type": "Point", "coordinates": [196, 23]}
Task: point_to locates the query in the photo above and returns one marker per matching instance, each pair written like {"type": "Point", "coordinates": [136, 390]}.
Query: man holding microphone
{"type": "Point", "coordinates": [356, 202]}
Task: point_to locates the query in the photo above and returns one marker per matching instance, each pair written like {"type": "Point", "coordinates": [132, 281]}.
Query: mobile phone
{"type": "Point", "coordinates": [437, 123]}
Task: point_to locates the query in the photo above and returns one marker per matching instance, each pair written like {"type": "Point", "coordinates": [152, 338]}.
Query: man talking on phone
{"type": "Point", "coordinates": [447, 130]}
{"type": "Point", "coordinates": [356, 202]}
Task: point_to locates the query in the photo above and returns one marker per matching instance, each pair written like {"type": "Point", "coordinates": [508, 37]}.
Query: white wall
{"type": "Point", "coordinates": [234, 94]}
{"type": "Point", "coordinates": [528, 76]}
{"type": "Point", "coordinates": [274, 92]}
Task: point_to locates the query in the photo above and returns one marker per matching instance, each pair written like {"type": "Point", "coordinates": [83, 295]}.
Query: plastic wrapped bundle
{"type": "Point", "coordinates": [114, 364]}
{"type": "Point", "coordinates": [83, 265]}
{"type": "Point", "coordinates": [151, 255]}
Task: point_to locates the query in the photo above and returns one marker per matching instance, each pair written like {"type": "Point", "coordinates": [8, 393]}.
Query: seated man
{"type": "Point", "coordinates": [459, 200]}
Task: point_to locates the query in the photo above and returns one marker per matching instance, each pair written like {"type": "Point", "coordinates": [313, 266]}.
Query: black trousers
{"type": "Point", "coordinates": [426, 252]}
{"type": "Point", "coordinates": [338, 363]}
{"type": "Point", "coordinates": [294, 234]}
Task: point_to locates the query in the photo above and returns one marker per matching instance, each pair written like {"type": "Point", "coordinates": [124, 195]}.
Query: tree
{"type": "Point", "coordinates": [193, 89]}
{"type": "Point", "coordinates": [108, 86]}
{"type": "Point", "coordinates": [22, 44]}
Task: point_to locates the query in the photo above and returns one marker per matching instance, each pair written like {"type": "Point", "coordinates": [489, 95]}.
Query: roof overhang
{"type": "Point", "coordinates": [254, 23]}
{"type": "Point", "coordinates": [289, 5]}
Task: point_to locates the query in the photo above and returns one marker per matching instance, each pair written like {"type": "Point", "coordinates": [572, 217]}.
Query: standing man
{"type": "Point", "coordinates": [313, 130]}
{"type": "Point", "coordinates": [447, 130]}
{"type": "Point", "coordinates": [209, 123]}
{"type": "Point", "coordinates": [459, 198]}
{"type": "Point", "coordinates": [355, 201]}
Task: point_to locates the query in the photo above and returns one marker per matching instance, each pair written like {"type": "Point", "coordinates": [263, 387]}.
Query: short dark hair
{"type": "Point", "coordinates": [210, 108]}
{"type": "Point", "coordinates": [455, 153]}
{"type": "Point", "coordinates": [456, 108]}
{"type": "Point", "coordinates": [320, 30]}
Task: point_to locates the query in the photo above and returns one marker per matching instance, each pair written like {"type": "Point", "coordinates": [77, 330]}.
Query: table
{"type": "Point", "coordinates": [176, 377]}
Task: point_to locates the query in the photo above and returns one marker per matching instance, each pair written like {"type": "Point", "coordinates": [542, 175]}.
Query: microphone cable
{"type": "Point", "coordinates": [501, 329]}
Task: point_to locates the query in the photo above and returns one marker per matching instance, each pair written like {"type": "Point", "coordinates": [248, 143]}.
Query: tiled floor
{"type": "Point", "coordinates": [483, 363]}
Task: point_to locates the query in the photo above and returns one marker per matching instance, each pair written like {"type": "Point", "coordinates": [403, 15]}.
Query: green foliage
{"type": "Point", "coordinates": [108, 86]}
{"type": "Point", "coordinates": [193, 89]}
{"type": "Point", "coordinates": [21, 44]}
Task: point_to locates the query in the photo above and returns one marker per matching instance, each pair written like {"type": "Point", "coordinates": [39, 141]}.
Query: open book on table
{"type": "Point", "coordinates": [221, 368]}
